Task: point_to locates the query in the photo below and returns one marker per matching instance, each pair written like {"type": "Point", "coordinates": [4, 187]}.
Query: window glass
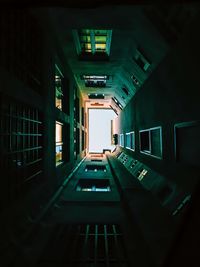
{"type": "Point", "coordinates": [59, 143]}
{"type": "Point", "coordinates": [92, 41]}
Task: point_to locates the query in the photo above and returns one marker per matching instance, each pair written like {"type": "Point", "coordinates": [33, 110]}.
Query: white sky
{"type": "Point", "coordinates": [100, 129]}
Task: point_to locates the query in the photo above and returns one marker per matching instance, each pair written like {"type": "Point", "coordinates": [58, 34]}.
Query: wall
{"type": "Point", "coordinates": [169, 96]}
{"type": "Point", "coordinates": [16, 85]}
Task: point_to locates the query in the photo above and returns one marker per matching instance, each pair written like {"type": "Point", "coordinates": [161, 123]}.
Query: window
{"type": "Point", "coordinates": [77, 103]}
{"type": "Point", "coordinates": [93, 185]}
{"type": "Point", "coordinates": [121, 140]}
{"type": "Point", "coordinates": [141, 60]}
{"type": "Point", "coordinates": [135, 80]}
{"type": "Point", "coordinates": [125, 90]}
{"type": "Point", "coordinates": [130, 140]}
{"type": "Point", "coordinates": [90, 41]}
{"type": "Point", "coordinates": [151, 142]}
{"type": "Point", "coordinates": [95, 80]}
{"type": "Point", "coordinates": [83, 116]}
{"type": "Point", "coordinates": [77, 141]}
{"type": "Point", "coordinates": [59, 143]}
{"type": "Point", "coordinates": [117, 102]}
{"type": "Point", "coordinates": [95, 168]}
{"type": "Point", "coordinates": [145, 141]}
{"type": "Point", "coordinates": [187, 142]}
{"type": "Point", "coordinates": [83, 140]}
{"type": "Point", "coordinates": [96, 96]}
{"type": "Point", "coordinates": [58, 88]}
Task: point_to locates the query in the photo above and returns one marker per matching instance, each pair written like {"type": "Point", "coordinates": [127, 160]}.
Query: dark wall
{"type": "Point", "coordinates": [169, 96]}
{"type": "Point", "coordinates": [19, 70]}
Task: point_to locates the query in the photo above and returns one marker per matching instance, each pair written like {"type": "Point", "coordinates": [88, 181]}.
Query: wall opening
{"type": "Point", "coordinates": [100, 134]}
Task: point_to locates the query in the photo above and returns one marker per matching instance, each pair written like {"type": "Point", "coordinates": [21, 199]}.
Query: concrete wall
{"type": "Point", "coordinates": [169, 96]}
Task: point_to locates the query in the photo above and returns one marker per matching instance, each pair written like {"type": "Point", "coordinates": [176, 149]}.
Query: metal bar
{"type": "Point", "coordinates": [74, 246]}
{"type": "Point", "coordinates": [20, 117]}
{"type": "Point", "coordinates": [106, 246]}
{"type": "Point", "coordinates": [116, 242]}
{"type": "Point", "coordinates": [85, 248]}
{"type": "Point", "coordinates": [96, 245]}
{"type": "Point", "coordinates": [32, 176]}
{"type": "Point", "coordinates": [23, 150]}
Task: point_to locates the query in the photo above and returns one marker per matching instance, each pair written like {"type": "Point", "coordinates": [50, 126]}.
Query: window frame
{"type": "Point", "coordinates": [60, 76]}
{"type": "Point", "coordinates": [92, 42]}
{"type": "Point", "coordinates": [121, 141]}
{"type": "Point", "coordinates": [149, 152]}
{"type": "Point", "coordinates": [61, 143]}
{"type": "Point", "coordinates": [132, 141]}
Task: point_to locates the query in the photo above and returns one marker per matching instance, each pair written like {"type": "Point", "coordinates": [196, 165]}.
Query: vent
{"type": "Point", "coordinates": [96, 160]}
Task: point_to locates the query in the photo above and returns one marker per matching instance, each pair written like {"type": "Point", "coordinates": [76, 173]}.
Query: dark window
{"type": "Point", "coordinates": [145, 141]}
{"type": "Point", "coordinates": [82, 116]}
{"type": "Point", "coordinates": [83, 140]}
{"type": "Point", "coordinates": [96, 96]}
{"type": "Point", "coordinates": [95, 80]}
{"type": "Point", "coordinates": [77, 103]}
{"type": "Point", "coordinates": [141, 60]}
{"type": "Point", "coordinates": [95, 168]}
{"type": "Point", "coordinates": [125, 90]}
{"type": "Point", "coordinates": [151, 142]}
{"type": "Point", "coordinates": [187, 142]}
{"type": "Point", "coordinates": [77, 141]}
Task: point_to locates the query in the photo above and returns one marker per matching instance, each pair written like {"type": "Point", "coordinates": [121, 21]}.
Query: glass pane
{"type": "Point", "coordinates": [85, 38]}
{"type": "Point", "coordinates": [132, 141]}
{"type": "Point", "coordinates": [100, 39]}
{"type": "Point", "coordinates": [100, 32]}
{"type": "Point", "coordinates": [101, 47]}
{"type": "Point", "coordinates": [85, 31]}
{"type": "Point", "coordinates": [58, 132]}
{"type": "Point", "coordinates": [86, 47]}
{"type": "Point", "coordinates": [58, 153]}
{"type": "Point", "coordinates": [59, 103]}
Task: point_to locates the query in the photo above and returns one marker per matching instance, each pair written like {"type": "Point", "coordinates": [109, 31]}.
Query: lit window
{"type": "Point", "coordinates": [141, 174]}
{"type": "Point", "coordinates": [93, 41]}
{"type": "Point", "coordinates": [95, 80]}
{"type": "Point", "coordinates": [135, 80]}
{"type": "Point", "coordinates": [59, 143]}
{"type": "Point", "coordinates": [58, 88]}
{"type": "Point", "coordinates": [130, 140]}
